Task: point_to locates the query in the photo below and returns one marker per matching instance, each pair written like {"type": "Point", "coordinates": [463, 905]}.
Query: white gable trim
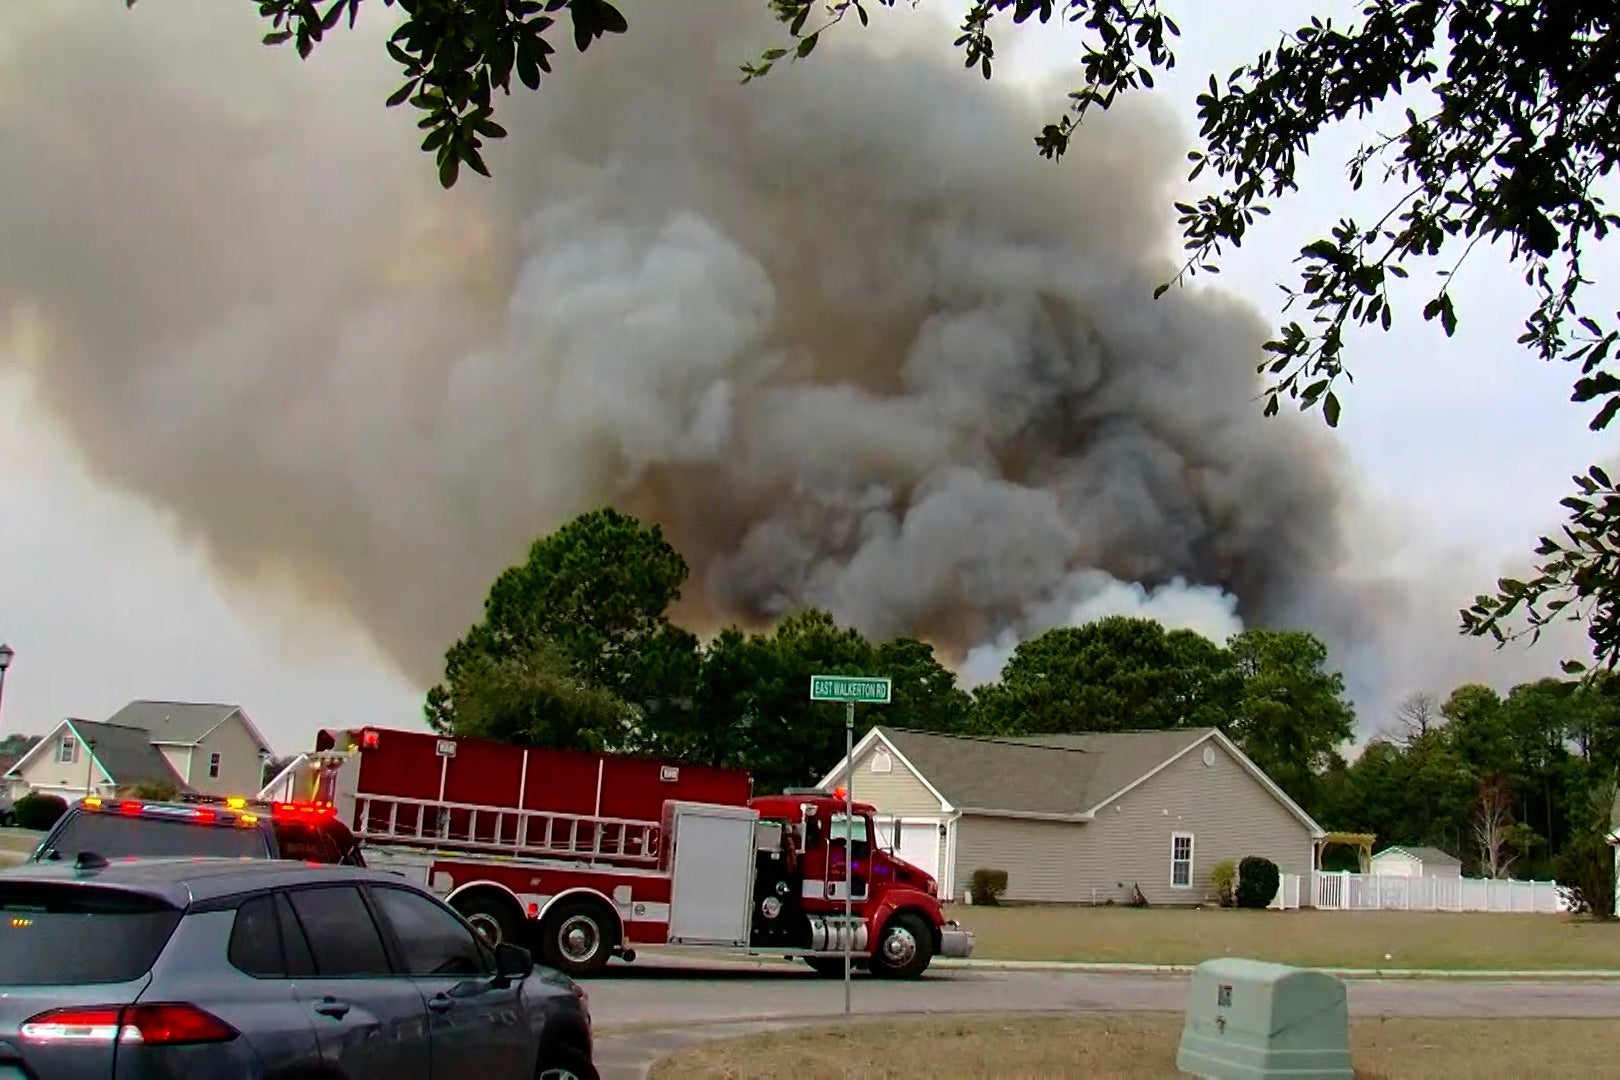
{"type": "Point", "coordinates": [837, 772]}
{"type": "Point", "coordinates": [236, 714]}
{"type": "Point", "coordinates": [1242, 759]}
{"type": "Point", "coordinates": [54, 739]}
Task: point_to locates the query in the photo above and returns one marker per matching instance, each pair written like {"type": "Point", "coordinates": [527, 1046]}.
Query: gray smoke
{"type": "Point", "coordinates": [841, 331]}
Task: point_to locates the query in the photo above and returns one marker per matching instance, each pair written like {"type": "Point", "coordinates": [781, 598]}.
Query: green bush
{"type": "Point", "coordinates": [1586, 869]}
{"type": "Point", "coordinates": [988, 886]}
{"type": "Point", "coordinates": [1258, 879]}
{"type": "Point", "coordinates": [36, 811]}
{"type": "Point", "coordinates": [1224, 880]}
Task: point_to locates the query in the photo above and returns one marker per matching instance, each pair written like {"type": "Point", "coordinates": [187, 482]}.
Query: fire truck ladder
{"type": "Point", "coordinates": [505, 831]}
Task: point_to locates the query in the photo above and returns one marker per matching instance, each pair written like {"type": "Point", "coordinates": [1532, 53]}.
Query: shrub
{"type": "Point", "coordinates": [988, 886]}
{"type": "Point", "coordinates": [1224, 880]}
{"type": "Point", "coordinates": [36, 811]}
{"type": "Point", "coordinates": [1257, 882]}
{"type": "Point", "coordinates": [154, 791]}
{"type": "Point", "coordinates": [1586, 869]}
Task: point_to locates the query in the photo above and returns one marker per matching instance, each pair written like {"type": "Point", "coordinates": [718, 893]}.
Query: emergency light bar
{"type": "Point", "coordinates": [136, 808]}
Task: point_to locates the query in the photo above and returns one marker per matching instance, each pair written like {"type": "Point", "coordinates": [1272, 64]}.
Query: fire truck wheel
{"type": "Point", "coordinates": [578, 936]}
{"type": "Point", "coordinates": [495, 922]}
{"type": "Point", "coordinates": [904, 948]}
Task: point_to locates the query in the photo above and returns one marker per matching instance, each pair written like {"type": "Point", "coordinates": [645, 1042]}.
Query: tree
{"type": "Point", "coordinates": [1114, 674]}
{"type": "Point", "coordinates": [592, 596]}
{"type": "Point", "coordinates": [1497, 836]}
{"type": "Point", "coordinates": [1519, 130]}
{"type": "Point", "coordinates": [1292, 713]}
{"type": "Point", "coordinates": [534, 698]}
{"type": "Point", "coordinates": [1416, 716]}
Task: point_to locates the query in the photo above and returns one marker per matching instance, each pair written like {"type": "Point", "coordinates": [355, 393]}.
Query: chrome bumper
{"type": "Point", "coordinates": [955, 941]}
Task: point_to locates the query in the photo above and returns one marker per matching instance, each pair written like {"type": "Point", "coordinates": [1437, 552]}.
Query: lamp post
{"type": "Point", "coordinates": [6, 653]}
{"type": "Point", "coordinates": [89, 765]}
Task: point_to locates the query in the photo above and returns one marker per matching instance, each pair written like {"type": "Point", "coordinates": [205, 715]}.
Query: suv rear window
{"type": "Point", "coordinates": [118, 835]}
{"type": "Point", "coordinates": [57, 935]}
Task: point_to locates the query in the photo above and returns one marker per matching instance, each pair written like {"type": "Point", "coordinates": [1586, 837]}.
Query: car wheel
{"type": "Point", "coordinates": [566, 1063]}
{"type": "Point", "coordinates": [904, 949]}
{"type": "Point", "coordinates": [577, 937]}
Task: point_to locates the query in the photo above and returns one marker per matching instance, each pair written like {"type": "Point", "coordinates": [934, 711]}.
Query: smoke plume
{"type": "Point", "coordinates": [842, 332]}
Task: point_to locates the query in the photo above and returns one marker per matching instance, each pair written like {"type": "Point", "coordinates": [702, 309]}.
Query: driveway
{"type": "Point", "coordinates": [689, 1000]}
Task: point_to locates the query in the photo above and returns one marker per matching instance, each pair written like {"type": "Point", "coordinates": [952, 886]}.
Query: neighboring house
{"type": "Point", "coordinates": [84, 757]}
{"type": "Point", "coordinates": [215, 749]}
{"type": "Point", "coordinates": [211, 749]}
{"type": "Point", "coordinates": [1078, 818]}
{"type": "Point", "coordinates": [1402, 861]}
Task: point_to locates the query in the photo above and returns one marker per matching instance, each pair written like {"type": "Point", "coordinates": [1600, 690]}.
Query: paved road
{"type": "Point", "coordinates": [688, 995]}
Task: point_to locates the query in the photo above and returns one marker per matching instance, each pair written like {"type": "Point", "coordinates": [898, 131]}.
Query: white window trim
{"type": "Point", "coordinates": [216, 765]}
{"type": "Point", "coordinates": [69, 744]}
{"type": "Point", "coordinates": [1192, 846]}
{"type": "Point", "coordinates": [881, 757]}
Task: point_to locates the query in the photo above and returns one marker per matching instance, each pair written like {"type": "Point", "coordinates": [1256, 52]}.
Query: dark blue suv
{"type": "Point", "coordinates": [168, 967]}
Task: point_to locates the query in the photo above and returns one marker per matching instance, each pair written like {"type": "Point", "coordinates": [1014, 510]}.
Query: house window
{"type": "Point", "coordinates": [67, 751]}
{"type": "Point", "coordinates": [882, 762]}
{"type": "Point", "coordinates": [213, 766]}
{"type": "Point", "coordinates": [1181, 858]}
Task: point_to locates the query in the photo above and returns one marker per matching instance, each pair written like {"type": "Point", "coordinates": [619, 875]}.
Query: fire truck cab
{"type": "Point", "coordinates": [583, 857]}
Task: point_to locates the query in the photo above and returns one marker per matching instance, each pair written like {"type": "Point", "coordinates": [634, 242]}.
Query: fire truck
{"type": "Point", "coordinates": [584, 856]}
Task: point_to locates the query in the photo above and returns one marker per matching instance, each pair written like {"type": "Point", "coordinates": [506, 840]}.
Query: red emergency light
{"type": "Point", "coordinates": [286, 810]}
{"type": "Point", "coordinates": [369, 739]}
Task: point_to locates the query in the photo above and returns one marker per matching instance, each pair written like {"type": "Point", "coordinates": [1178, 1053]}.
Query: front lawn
{"type": "Point", "coordinates": [1309, 938]}
{"type": "Point", "coordinates": [1132, 1046]}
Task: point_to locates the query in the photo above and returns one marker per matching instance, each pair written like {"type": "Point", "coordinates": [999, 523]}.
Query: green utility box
{"type": "Point", "coordinates": [1250, 1019]}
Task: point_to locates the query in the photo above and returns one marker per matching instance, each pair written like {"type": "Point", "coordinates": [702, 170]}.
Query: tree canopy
{"type": "Point", "coordinates": [1517, 126]}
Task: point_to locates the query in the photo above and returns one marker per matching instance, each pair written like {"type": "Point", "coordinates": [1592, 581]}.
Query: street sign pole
{"type": "Point", "coordinates": [850, 689]}
{"type": "Point", "coordinates": [849, 844]}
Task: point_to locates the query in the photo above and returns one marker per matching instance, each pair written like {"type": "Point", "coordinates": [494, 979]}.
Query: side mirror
{"type": "Point", "coordinates": [513, 961]}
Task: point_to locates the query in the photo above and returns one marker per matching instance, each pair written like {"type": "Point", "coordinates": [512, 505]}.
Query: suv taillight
{"type": "Point", "coordinates": [164, 1024]}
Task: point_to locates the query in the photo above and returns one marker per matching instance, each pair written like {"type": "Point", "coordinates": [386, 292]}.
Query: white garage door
{"type": "Point", "coordinates": [915, 842]}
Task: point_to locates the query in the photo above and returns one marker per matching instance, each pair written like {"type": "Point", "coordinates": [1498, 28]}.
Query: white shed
{"type": "Point", "coordinates": [1403, 861]}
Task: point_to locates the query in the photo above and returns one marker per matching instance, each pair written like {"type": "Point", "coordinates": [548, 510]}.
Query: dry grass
{"type": "Point", "coordinates": [1349, 939]}
{"type": "Point", "coordinates": [1139, 1047]}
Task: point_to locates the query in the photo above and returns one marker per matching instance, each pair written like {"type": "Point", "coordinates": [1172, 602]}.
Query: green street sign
{"type": "Point", "coordinates": [855, 689]}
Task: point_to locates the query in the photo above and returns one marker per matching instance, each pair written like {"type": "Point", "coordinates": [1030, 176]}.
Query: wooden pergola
{"type": "Point", "coordinates": [1362, 842]}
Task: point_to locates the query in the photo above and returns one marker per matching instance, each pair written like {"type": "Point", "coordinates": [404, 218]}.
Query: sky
{"type": "Point", "coordinates": [1464, 446]}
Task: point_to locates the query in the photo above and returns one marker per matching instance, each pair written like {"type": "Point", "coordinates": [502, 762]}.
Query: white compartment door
{"type": "Point", "coordinates": [712, 891]}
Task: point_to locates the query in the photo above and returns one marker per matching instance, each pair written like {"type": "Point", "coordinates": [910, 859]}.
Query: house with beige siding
{"type": "Point", "coordinates": [206, 748]}
{"type": "Point", "coordinates": [1077, 818]}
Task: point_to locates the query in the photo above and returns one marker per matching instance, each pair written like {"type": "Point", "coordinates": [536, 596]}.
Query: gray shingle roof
{"type": "Point", "coordinates": [1430, 855]}
{"type": "Point", "coordinates": [173, 721]}
{"type": "Point", "coordinates": [1057, 774]}
{"type": "Point", "coordinates": [126, 754]}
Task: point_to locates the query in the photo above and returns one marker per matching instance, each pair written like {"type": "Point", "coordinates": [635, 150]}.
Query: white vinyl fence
{"type": "Point", "coordinates": [1289, 888]}
{"type": "Point", "coordinates": [1373, 892]}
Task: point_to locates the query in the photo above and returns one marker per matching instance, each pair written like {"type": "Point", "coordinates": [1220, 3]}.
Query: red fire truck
{"type": "Point", "coordinates": [584, 856]}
